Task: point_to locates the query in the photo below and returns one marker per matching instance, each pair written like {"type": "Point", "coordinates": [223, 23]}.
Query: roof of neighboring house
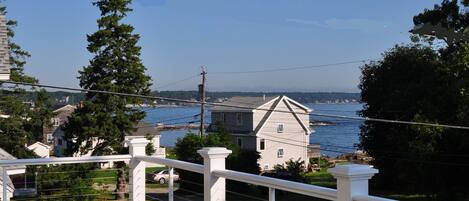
{"type": "Point", "coordinates": [243, 103]}
{"type": "Point", "coordinates": [144, 129]}
{"type": "Point", "coordinates": [9, 182]}
{"type": "Point", "coordinates": [31, 147]}
{"type": "Point", "coordinates": [250, 104]}
{"type": "Point", "coordinates": [4, 155]}
{"type": "Point", "coordinates": [64, 112]}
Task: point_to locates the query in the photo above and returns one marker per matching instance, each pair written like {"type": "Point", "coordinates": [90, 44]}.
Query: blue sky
{"type": "Point", "coordinates": [177, 37]}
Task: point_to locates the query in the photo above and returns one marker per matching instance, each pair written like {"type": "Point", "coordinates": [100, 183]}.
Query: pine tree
{"type": "Point", "coordinates": [15, 131]}
{"type": "Point", "coordinates": [116, 67]}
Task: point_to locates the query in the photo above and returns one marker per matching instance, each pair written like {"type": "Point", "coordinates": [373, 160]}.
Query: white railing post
{"type": "Point", "coordinates": [171, 184]}
{"type": "Point", "coordinates": [271, 194]}
{"type": "Point", "coordinates": [5, 184]}
{"type": "Point", "coordinates": [137, 169]}
{"type": "Point", "coordinates": [214, 159]}
{"type": "Point", "coordinates": [352, 180]}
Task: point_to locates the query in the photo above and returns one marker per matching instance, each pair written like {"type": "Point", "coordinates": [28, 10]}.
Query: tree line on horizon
{"type": "Point", "coordinates": [58, 97]}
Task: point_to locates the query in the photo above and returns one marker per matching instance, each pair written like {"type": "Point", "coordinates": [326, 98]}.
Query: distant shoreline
{"type": "Point", "coordinates": [193, 105]}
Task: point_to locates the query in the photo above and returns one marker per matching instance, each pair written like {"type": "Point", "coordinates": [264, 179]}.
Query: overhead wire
{"type": "Point", "coordinates": [177, 82]}
{"type": "Point", "coordinates": [242, 107]}
{"type": "Point", "coordinates": [292, 68]}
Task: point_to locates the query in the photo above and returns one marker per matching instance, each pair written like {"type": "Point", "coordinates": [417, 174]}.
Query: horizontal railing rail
{"type": "Point", "coordinates": [295, 187]}
{"type": "Point", "coordinates": [352, 180]}
{"type": "Point", "coordinates": [193, 167]}
{"type": "Point", "coordinates": [369, 198]}
{"type": "Point", "coordinates": [65, 160]}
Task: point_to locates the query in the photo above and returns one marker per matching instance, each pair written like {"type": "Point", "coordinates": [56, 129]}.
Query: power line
{"type": "Point", "coordinates": [389, 157]}
{"type": "Point", "coordinates": [356, 148]}
{"type": "Point", "coordinates": [293, 68]}
{"type": "Point", "coordinates": [177, 82]}
{"type": "Point", "coordinates": [240, 107]}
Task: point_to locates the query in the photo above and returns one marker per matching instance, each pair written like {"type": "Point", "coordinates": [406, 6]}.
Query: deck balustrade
{"type": "Point", "coordinates": [352, 180]}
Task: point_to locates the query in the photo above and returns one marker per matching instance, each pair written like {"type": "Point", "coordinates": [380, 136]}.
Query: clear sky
{"type": "Point", "coordinates": [178, 36]}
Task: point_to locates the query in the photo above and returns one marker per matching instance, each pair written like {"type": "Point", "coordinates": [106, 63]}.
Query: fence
{"type": "Point", "coordinates": [352, 180]}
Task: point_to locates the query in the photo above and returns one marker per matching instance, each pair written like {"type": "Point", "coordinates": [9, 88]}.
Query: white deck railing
{"type": "Point", "coordinates": [352, 180]}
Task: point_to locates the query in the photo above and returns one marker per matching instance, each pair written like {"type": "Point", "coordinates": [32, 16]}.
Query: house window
{"type": "Point", "coordinates": [239, 119]}
{"type": "Point", "coordinates": [262, 144]}
{"type": "Point", "coordinates": [223, 117]}
{"type": "Point", "coordinates": [266, 166]}
{"type": "Point", "coordinates": [50, 138]}
{"type": "Point", "coordinates": [56, 121]}
{"type": "Point", "coordinates": [240, 142]}
{"type": "Point", "coordinates": [280, 128]}
{"type": "Point", "coordinates": [280, 153]}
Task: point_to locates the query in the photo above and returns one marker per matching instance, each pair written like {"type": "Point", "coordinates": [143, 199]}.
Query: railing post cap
{"type": "Point", "coordinates": [137, 142]}
{"type": "Point", "coordinates": [214, 152]}
{"type": "Point", "coordinates": [353, 170]}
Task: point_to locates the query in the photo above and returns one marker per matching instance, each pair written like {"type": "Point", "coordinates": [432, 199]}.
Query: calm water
{"type": "Point", "coordinates": [340, 137]}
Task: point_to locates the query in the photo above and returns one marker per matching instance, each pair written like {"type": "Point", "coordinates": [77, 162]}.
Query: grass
{"type": "Point", "coordinates": [321, 178]}
{"type": "Point", "coordinates": [325, 179]}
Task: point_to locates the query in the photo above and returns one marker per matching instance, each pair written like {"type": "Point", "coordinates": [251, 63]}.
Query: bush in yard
{"type": "Point", "coordinates": [292, 170]}
{"type": "Point", "coordinates": [240, 160]}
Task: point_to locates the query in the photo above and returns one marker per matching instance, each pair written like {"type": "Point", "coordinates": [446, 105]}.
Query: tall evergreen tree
{"type": "Point", "coordinates": [116, 67]}
{"type": "Point", "coordinates": [16, 130]}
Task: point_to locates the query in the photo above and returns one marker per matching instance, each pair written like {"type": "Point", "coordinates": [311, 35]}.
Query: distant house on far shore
{"type": "Point", "coordinates": [276, 127]}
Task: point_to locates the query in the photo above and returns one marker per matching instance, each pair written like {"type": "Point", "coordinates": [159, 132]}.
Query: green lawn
{"type": "Point", "coordinates": [324, 179]}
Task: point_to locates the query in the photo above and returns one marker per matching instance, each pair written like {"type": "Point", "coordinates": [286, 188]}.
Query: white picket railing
{"type": "Point", "coordinates": [352, 180]}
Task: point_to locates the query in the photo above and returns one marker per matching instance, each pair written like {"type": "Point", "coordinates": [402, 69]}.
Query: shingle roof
{"type": "Point", "coordinates": [143, 129]}
{"type": "Point", "coordinates": [64, 112]}
{"type": "Point", "coordinates": [245, 101]}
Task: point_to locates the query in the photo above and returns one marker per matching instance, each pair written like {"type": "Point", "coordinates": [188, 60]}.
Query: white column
{"type": "Point", "coordinates": [171, 184]}
{"type": "Point", "coordinates": [137, 169]}
{"type": "Point", "coordinates": [5, 184]}
{"type": "Point", "coordinates": [352, 180]}
{"type": "Point", "coordinates": [214, 159]}
{"type": "Point", "coordinates": [271, 194]}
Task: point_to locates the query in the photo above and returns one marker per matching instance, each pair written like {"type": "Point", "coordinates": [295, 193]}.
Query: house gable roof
{"type": "Point", "coordinates": [143, 128]}
{"type": "Point", "coordinates": [243, 104]}
{"type": "Point", "coordinates": [288, 102]}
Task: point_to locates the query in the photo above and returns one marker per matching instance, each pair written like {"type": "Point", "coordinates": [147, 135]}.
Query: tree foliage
{"type": "Point", "coordinates": [292, 170]}
{"type": "Point", "coordinates": [239, 160]}
{"type": "Point", "coordinates": [116, 67]}
{"type": "Point", "coordinates": [22, 125]}
{"type": "Point", "coordinates": [423, 83]}
{"type": "Point", "coordinates": [416, 83]}
{"type": "Point", "coordinates": [74, 181]}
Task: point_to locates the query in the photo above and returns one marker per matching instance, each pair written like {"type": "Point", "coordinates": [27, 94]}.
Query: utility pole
{"type": "Point", "coordinates": [202, 101]}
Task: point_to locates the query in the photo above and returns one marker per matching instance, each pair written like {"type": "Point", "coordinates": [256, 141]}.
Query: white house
{"type": "Point", "coordinates": [40, 149]}
{"type": "Point", "coordinates": [276, 127]}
